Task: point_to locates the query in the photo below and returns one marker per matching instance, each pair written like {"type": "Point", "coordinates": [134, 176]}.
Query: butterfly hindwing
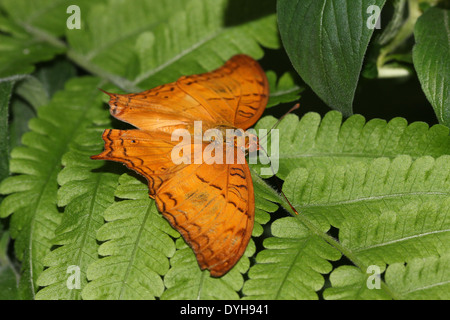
{"type": "Point", "coordinates": [212, 206]}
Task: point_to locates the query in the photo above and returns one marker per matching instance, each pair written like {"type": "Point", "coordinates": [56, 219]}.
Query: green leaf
{"type": "Point", "coordinates": [421, 279]}
{"type": "Point", "coordinates": [387, 212]}
{"type": "Point", "coordinates": [135, 250]}
{"type": "Point", "coordinates": [185, 280]}
{"type": "Point", "coordinates": [350, 283]}
{"type": "Point", "coordinates": [337, 193]}
{"type": "Point", "coordinates": [8, 279]}
{"type": "Point", "coordinates": [291, 264]}
{"type": "Point", "coordinates": [19, 50]}
{"type": "Point", "coordinates": [326, 42]}
{"type": "Point", "coordinates": [38, 88]}
{"type": "Point", "coordinates": [45, 16]}
{"type": "Point", "coordinates": [154, 43]}
{"type": "Point", "coordinates": [419, 228]}
{"type": "Point", "coordinates": [32, 192]}
{"type": "Point", "coordinates": [431, 57]}
{"type": "Point", "coordinates": [313, 142]}
{"type": "Point", "coordinates": [5, 95]}
{"type": "Point", "coordinates": [283, 89]}
{"type": "Point", "coordinates": [85, 196]}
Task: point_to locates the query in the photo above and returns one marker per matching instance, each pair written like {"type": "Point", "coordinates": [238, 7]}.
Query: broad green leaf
{"type": "Point", "coordinates": [326, 42]}
{"type": "Point", "coordinates": [314, 142]}
{"type": "Point", "coordinates": [32, 191]}
{"type": "Point", "coordinates": [431, 57]}
{"type": "Point", "coordinates": [291, 264]}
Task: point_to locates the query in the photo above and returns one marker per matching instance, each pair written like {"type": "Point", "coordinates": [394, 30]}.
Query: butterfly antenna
{"type": "Point", "coordinates": [295, 107]}
{"type": "Point", "coordinates": [106, 92]}
{"type": "Point", "coordinates": [278, 183]}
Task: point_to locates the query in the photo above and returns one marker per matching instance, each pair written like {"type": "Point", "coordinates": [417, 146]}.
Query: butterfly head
{"type": "Point", "coordinates": [245, 141]}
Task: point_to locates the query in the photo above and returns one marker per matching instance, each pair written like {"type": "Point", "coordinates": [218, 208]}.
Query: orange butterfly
{"type": "Point", "coordinates": [211, 205]}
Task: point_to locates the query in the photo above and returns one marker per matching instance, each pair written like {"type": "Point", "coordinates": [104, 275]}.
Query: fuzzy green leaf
{"type": "Point", "coordinates": [431, 57]}
{"type": "Point", "coordinates": [326, 42]}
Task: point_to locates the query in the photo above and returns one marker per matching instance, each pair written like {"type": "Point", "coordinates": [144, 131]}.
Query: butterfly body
{"type": "Point", "coordinates": [210, 202]}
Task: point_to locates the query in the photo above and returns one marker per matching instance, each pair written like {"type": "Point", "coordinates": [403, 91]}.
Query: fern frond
{"type": "Point", "coordinates": [350, 283]}
{"type": "Point", "coordinates": [41, 15]}
{"type": "Point", "coordinates": [137, 244]}
{"type": "Point", "coordinates": [185, 280]}
{"type": "Point", "coordinates": [388, 211]}
{"type": "Point", "coordinates": [418, 228]}
{"type": "Point", "coordinates": [337, 193]}
{"type": "Point", "coordinates": [291, 265]}
{"type": "Point", "coordinates": [32, 193]}
{"type": "Point", "coordinates": [313, 142]}
{"type": "Point", "coordinates": [200, 38]}
{"type": "Point", "coordinates": [164, 41]}
{"type": "Point", "coordinates": [85, 195]}
{"type": "Point", "coordinates": [419, 279]}
{"type": "Point", "coordinates": [24, 27]}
